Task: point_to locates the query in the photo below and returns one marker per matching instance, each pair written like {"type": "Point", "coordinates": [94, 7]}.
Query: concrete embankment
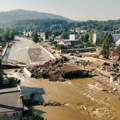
{"type": "Point", "coordinates": [51, 56]}
{"type": "Point", "coordinates": [5, 53]}
{"type": "Point", "coordinates": [24, 50]}
{"type": "Point", "coordinates": [5, 49]}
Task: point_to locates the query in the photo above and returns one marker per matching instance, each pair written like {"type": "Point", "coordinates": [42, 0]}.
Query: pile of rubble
{"type": "Point", "coordinates": [53, 104]}
{"type": "Point", "coordinates": [57, 71]}
{"type": "Point", "coordinates": [114, 77]}
{"type": "Point", "coordinates": [108, 67]}
{"type": "Point", "coordinates": [29, 102]}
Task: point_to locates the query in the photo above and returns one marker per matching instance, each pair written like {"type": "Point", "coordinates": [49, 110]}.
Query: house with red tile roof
{"type": "Point", "coordinates": [114, 55]}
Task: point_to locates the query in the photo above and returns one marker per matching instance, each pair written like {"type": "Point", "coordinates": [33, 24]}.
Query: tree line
{"type": "Point", "coordinates": [57, 25]}
{"type": "Point", "coordinates": [7, 35]}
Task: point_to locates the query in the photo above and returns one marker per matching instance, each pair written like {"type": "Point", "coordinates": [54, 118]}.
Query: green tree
{"type": "Point", "coordinates": [104, 52]}
{"type": "Point", "coordinates": [8, 35]}
{"type": "Point", "coordinates": [86, 38]}
{"type": "Point", "coordinates": [117, 49]}
{"type": "Point", "coordinates": [59, 47]}
{"type": "Point", "coordinates": [5, 35]}
{"type": "Point", "coordinates": [35, 37]}
{"type": "Point", "coordinates": [32, 116]}
{"type": "Point", "coordinates": [54, 43]}
{"type": "Point", "coordinates": [65, 35]}
{"type": "Point", "coordinates": [0, 38]}
{"type": "Point", "coordinates": [11, 35]}
{"type": "Point", "coordinates": [106, 45]}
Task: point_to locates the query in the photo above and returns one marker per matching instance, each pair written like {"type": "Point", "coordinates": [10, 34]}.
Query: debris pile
{"type": "Point", "coordinates": [70, 71]}
{"type": "Point", "coordinates": [108, 67]}
{"type": "Point", "coordinates": [114, 77]}
{"type": "Point", "coordinates": [29, 102]}
{"type": "Point", "coordinates": [57, 71]}
{"type": "Point", "coordinates": [53, 104]}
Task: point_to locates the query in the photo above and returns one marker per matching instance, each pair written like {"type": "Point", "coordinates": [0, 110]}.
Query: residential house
{"type": "Point", "coordinates": [67, 42]}
{"type": "Point", "coordinates": [83, 31]}
{"type": "Point", "coordinates": [27, 33]}
{"type": "Point", "coordinates": [43, 36]}
{"type": "Point", "coordinates": [94, 39]}
{"type": "Point", "coordinates": [117, 43]}
{"type": "Point", "coordinates": [64, 42]}
{"type": "Point", "coordinates": [78, 30]}
{"type": "Point", "coordinates": [72, 37]}
{"type": "Point", "coordinates": [11, 106]}
{"type": "Point", "coordinates": [114, 55]}
{"type": "Point", "coordinates": [116, 37]}
{"type": "Point", "coordinates": [58, 38]}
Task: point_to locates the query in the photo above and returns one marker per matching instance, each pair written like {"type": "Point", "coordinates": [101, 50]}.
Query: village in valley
{"type": "Point", "coordinates": [56, 68]}
{"type": "Point", "coordinates": [47, 74]}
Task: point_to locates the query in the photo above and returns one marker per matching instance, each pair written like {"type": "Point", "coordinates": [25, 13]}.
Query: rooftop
{"type": "Point", "coordinates": [112, 53]}
{"type": "Point", "coordinates": [10, 100]}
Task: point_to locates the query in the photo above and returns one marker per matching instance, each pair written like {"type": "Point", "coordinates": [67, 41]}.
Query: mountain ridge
{"type": "Point", "coordinates": [20, 14]}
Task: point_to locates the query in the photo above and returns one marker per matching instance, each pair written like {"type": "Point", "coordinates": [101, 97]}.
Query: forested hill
{"type": "Point", "coordinates": [58, 25]}
{"type": "Point", "coordinates": [17, 15]}
{"type": "Point", "coordinates": [30, 20]}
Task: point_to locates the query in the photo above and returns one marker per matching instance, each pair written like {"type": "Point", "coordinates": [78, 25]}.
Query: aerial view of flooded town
{"type": "Point", "coordinates": [55, 67]}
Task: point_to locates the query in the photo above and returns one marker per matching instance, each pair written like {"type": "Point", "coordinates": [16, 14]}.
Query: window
{"type": "Point", "coordinates": [15, 114]}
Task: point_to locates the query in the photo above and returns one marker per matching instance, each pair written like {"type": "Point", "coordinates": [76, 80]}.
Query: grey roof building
{"type": "Point", "coordinates": [11, 105]}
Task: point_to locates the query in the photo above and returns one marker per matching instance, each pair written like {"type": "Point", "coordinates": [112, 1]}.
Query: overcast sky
{"type": "Point", "coordinates": [73, 9]}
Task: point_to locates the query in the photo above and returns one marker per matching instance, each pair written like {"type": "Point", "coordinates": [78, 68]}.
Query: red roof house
{"type": "Point", "coordinates": [114, 55]}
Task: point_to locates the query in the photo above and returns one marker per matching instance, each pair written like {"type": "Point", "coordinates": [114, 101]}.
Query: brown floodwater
{"type": "Point", "coordinates": [85, 99]}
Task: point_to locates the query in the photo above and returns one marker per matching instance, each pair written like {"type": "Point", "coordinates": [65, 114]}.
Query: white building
{"type": "Point", "coordinates": [83, 31]}
{"type": "Point", "coordinates": [27, 33]}
{"type": "Point", "coordinates": [72, 37]}
{"type": "Point", "coordinates": [64, 42]}
{"type": "Point", "coordinates": [94, 38]}
{"type": "Point", "coordinates": [117, 43]}
{"type": "Point", "coordinates": [67, 42]}
{"type": "Point", "coordinates": [78, 30]}
{"type": "Point", "coordinates": [113, 55]}
{"type": "Point", "coordinates": [57, 38]}
{"type": "Point", "coordinates": [43, 36]}
{"type": "Point", "coordinates": [116, 37]}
